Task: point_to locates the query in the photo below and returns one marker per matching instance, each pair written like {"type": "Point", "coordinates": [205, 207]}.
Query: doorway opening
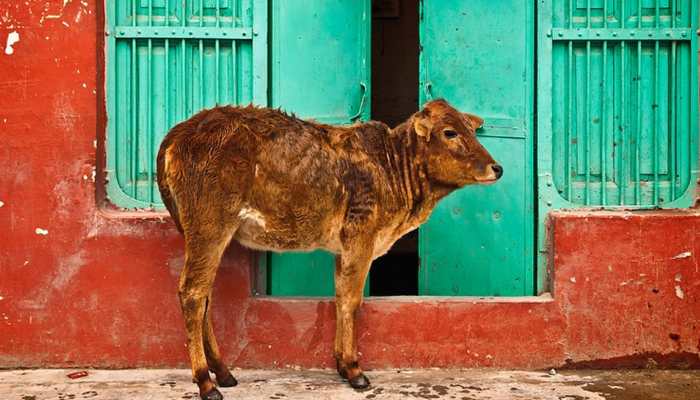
{"type": "Point", "coordinates": [395, 58]}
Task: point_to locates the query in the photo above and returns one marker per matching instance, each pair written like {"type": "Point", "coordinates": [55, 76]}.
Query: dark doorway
{"type": "Point", "coordinates": [395, 56]}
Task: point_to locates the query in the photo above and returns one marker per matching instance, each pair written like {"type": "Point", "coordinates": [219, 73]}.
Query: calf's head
{"type": "Point", "coordinates": [454, 156]}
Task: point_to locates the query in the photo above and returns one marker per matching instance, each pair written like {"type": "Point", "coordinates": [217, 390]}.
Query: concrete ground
{"type": "Point", "coordinates": [387, 384]}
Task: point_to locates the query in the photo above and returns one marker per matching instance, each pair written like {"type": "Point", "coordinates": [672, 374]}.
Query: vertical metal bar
{"type": "Point", "coordinates": [133, 98]}
{"type": "Point", "coordinates": [201, 12]}
{"type": "Point", "coordinates": [604, 124]}
{"type": "Point", "coordinates": [603, 117]}
{"type": "Point", "coordinates": [234, 80]}
{"type": "Point", "coordinates": [167, 84]}
{"type": "Point", "coordinates": [657, 154]}
{"type": "Point", "coordinates": [150, 12]}
{"type": "Point", "coordinates": [571, 14]}
{"type": "Point", "coordinates": [638, 131]}
{"type": "Point", "coordinates": [605, 13]}
{"type": "Point", "coordinates": [216, 78]}
{"type": "Point", "coordinates": [657, 22]}
{"type": "Point", "coordinates": [623, 132]}
{"type": "Point", "coordinates": [113, 96]}
{"type": "Point", "coordinates": [149, 119]}
{"type": "Point", "coordinates": [639, 13]}
{"type": "Point", "coordinates": [587, 196]}
{"type": "Point", "coordinates": [568, 181]}
{"type": "Point", "coordinates": [134, 112]}
{"type": "Point", "coordinates": [656, 120]}
{"type": "Point", "coordinates": [622, 173]}
{"type": "Point", "coordinates": [672, 113]}
{"type": "Point", "coordinates": [673, 14]}
{"type": "Point", "coordinates": [201, 74]}
{"type": "Point", "coordinates": [182, 82]}
{"type": "Point", "coordinates": [622, 14]}
{"type": "Point", "coordinates": [570, 124]}
{"type": "Point", "coordinates": [588, 13]}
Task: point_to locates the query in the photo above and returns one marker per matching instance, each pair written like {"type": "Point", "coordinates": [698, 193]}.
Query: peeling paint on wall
{"type": "Point", "coordinates": [65, 115]}
{"type": "Point", "coordinates": [54, 15]}
{"type": "Point", "coordinates": [67, 269]}
{"type": "Point", "coordinates": [12, 38]}
{"type": "Point", "coordinates": [40, 231]}
{"type": "Point", "coordinates": [679, 292]}
{"type": "Point", "coordinates": [684, 254]}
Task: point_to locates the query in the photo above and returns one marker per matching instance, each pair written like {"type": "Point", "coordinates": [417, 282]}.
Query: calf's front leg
{"type": "Point", "coordinates": [350, 276]}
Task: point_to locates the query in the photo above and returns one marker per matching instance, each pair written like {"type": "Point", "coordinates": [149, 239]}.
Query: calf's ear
{"type": "Point", "coordinates": [423, 125]}
{"type": "Point", "coordinates": [476, 121]}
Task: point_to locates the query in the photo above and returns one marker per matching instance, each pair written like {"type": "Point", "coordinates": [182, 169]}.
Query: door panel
{"type": "Point", "coordinates": [320, 59]}
{"type": "Point", "coordinates": [479, 57]}
{"type": "Point", "coordinates": [320, 70]}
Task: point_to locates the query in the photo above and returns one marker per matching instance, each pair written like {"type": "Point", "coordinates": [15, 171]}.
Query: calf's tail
{"type": "Point", "coordinates": [163, 186]}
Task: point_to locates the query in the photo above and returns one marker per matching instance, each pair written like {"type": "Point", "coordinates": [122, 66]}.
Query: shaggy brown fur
{"type": "Point", "coordinates": [275, 182]}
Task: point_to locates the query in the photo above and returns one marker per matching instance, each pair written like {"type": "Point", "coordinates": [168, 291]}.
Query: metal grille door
{"type": "Point", "coordinates": [622, 90]}
{"type": "Point", "coordinates": [617, 105]}
{"type": "Point", "coordinates": [167, 59]}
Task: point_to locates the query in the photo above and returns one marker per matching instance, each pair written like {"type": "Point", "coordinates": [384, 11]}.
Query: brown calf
{"type": "Point", "coordinates": [274, 182]}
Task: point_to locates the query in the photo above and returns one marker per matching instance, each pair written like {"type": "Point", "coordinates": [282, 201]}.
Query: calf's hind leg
{"type": "Point", "coordinates": [204, 246]}
{"type": "Point", "coordinates": [211, 350]}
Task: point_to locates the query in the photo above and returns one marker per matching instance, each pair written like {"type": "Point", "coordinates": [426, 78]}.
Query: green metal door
{"type": "Point", "coordinates": [617, 105]}
{"type": "Point", "coordinates": [478, 55]}
{"type": "Point", "coordinates": [320, 70]}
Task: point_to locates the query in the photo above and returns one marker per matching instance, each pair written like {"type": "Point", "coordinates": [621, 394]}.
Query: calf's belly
{"type": "Point", "coordinates": [262, 230]}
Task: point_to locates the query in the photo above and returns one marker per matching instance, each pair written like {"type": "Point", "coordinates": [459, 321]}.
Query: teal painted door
{"type": "Point", "coordinates": [478, 55]}
{"type": "Point", "coordinates": [320, 69]}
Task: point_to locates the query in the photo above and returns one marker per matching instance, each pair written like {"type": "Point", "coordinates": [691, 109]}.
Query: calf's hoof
{"type": "Point", "coordinates": [343, 374]}
{"type": "Point", "coordinates": [359, 382]}
{"type": "Point", "coordinates": [213, 394]}
{"type": "Point", "coordinates": [227, 381]}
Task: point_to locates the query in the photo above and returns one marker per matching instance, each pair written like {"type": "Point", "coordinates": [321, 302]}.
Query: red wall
{"type": "Point", "coordinates": [100, 288]}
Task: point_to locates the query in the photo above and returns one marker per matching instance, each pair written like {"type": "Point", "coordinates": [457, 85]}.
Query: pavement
{"type": "Point", "coordinates": [472, 384]}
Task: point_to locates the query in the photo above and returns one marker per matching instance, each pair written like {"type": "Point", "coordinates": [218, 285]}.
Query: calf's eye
{"type": "Point", "coordinates": [450, 134]}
